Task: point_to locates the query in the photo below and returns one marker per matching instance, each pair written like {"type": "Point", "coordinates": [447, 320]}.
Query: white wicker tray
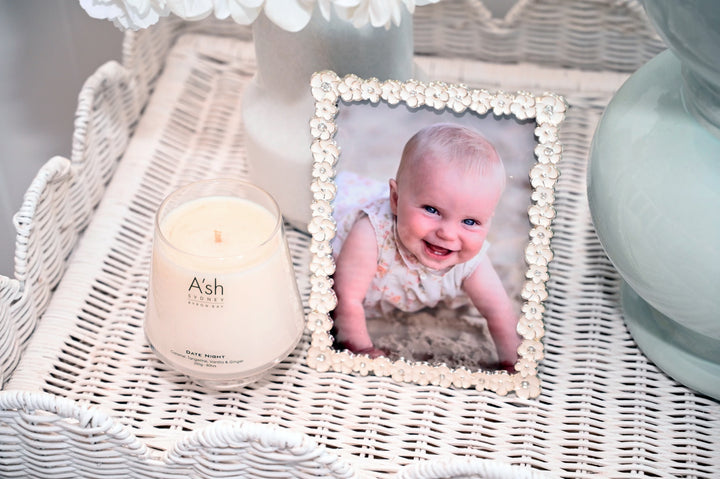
{"type": "Point", "coordinates": [85, 396]}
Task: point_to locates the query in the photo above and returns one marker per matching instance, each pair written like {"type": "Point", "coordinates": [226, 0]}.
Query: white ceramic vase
{"type": "Point", "coordinates": [278, 105]}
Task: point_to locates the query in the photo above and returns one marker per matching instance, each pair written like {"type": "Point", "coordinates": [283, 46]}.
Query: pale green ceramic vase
{"type": "Point", "coordinates": [654, 193]}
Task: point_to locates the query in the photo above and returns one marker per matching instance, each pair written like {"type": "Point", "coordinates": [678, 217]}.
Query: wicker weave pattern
{"type": "Point", "coordinates": [59, 203]}
{"type": "Point", "coordinates": [89, 399]}
{"type": "Point", "coordinates": [589, 35]}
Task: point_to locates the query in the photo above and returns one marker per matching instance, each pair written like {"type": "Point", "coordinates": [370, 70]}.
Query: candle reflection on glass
{"type": "Point", "coordinates": [223, 304]}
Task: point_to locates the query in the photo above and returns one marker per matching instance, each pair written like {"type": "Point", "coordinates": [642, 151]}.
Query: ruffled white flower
{"type": "Point", "coordinates": [326, 110]}
{"type": "Point", "coordinates": [127, 15]}
{"type": "Point", "coordinates": [320, 248]}
{"type": "Point", "coordinates": [321, 339]}
{"type": "Point", "coordinates": [321, 208]}
{"type": "Point", "coordinates": [400, 371]}
{"type": "Point", "coordinates": [391, 91]}
{"type": "Point", "coordinates": [323, 171]}
{"type": "Point", "coordinates": [371, 89]}
{"type": "Point", "coordinates": [538, 254]}
{"type": "Point", "coordinates": [382, 366]}
{"type": "Point", "coordinates": [480, 380]}
{"type": "Point", "coordinates": [531, 350]}
{"type": "Point", "coordinates": [193, 11]}
{"type": "Point", "coordinates": [501, 103]}
{"type": "Point", "coordinates": [527, 387]}
{"type": "Point", "coordinates": [322, 302]}
{"type": "Point", "coordinates": [321, 228]}
{"type": "Point", "coordinates": [319, 359]}
{"type": "Point", "coordinates": [544, 174]}
{"type": "Point", "coordinates": [550, 109]}
{"type": "Point", "coordinates": [443, 376]}
{"type": "Point", "coordinates": [322, 265]}
{"type": "Point", "coordinates": [546, 133]}
{"type": "Point", "coordinates": [541, 215]}
{"type": "Point", "coordinates": [422, 374]}
{"type": "Point", "coordinates": [533, 291]}
{"type": "Point", "coordinates": [540, 236]}
{"type": "Point", "coordinates": [343, 362]}
{"type": "Point", "coordinates": [436, 95]}
{"type": "Point", "coordinates": [533, 311]}
{"type": "Point", "coordinates": [501, 382]}
{"type": "Point", "coordinates": [243, 12]}
{"type": "Point", "coordinates": [325, 150]}
{"type": "Point", "coordinates": [322, 129]}
{"type": "Point", "coordinates": [459, 98]}
{"type": "Point", "coordinates": [548, 152]}
{"type": "Point", "coordinates": [463, 378]}
{"type": "Point", "coordinates": [317, 321]}
{"type": "Point", "coordinates": [537, 273]}
{"type": "Point", "coordinates": [323, 190]}
{"type": "Point", "coordinates": [480, 101]}
{"type": "Point", "coordinates": [323, 86]}
{"type": "Point", "coordinates": [320, 284]}
{"type": "Point", "coordinates": [413, 93]}
{"type": "Point", "coordinates": [350, 88]}
{"type": "Point", "coordinates": [378, 13]}
{"type": "Point", "coordinates": [523, 106]}
{"type": "Point", "coordinates": [363, 364]}
{"type": "Point", "coordinates": [290, 15]}
{"type": "Point", "coordinates": [531, 328]}
{"type": "Point", "coordinates": [543, 196]}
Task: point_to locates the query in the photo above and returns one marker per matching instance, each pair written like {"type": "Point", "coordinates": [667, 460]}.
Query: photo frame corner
{"type": "Point", "coordinates": [547, 110]}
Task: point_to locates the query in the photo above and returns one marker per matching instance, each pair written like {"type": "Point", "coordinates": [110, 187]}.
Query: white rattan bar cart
{"type": "Point", "coordinates": [83, 395]}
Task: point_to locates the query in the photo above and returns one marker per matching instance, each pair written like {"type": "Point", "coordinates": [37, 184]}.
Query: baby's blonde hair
{"type": "Point", "coordinates": [456, 145]}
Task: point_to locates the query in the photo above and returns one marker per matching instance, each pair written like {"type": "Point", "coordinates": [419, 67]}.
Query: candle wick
{"type": "Point", "coordinates": [218, 236]}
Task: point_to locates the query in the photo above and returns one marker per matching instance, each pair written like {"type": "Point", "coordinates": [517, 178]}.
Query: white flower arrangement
{"type": "Point", "coordinates": [290, 15]}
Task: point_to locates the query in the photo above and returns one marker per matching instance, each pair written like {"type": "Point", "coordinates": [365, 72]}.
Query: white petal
{"type": "Point", "coordinates": [191, 9]}
{"type": "Point", "coordinates": [290, 15]}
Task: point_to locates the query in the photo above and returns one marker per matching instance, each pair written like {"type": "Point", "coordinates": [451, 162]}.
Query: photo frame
{"type": "Point", "coordinates": [358, 130]}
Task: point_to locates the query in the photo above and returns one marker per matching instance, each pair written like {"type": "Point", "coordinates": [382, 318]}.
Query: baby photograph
{"type": "Point", "coordinates": [431, 213]}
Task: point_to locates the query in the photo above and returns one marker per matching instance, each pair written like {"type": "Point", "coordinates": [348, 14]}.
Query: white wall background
{"type": "Point", "coordinates": [47, 50]}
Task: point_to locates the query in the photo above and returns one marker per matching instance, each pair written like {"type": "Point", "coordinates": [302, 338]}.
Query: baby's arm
{"type": "Point", "coordinates": [355, 268]}
{"type": "Point", "coordinates": [488, 294]}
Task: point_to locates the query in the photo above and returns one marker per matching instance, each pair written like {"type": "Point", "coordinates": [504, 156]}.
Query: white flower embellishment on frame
{"type": "Point", "coordinates": [433, 338]}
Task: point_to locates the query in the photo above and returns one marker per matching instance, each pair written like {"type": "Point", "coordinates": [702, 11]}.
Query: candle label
{"type": "Point", "coordinates": [205, 293]}
{"type": "Point", "coordinates": [205, 360]}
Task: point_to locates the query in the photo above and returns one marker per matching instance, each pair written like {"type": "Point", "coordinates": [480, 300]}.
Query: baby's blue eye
{"type": "Point", "coordinates": [430, 209]}
{"type": "Point", "coordinates": [469, 222]}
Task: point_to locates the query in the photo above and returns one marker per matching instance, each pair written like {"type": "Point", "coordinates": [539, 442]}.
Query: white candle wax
{"type": "Point", "coordinates": [222, 303]}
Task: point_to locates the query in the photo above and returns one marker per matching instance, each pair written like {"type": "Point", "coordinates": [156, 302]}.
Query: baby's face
{"type": "Point", "coordinates": [443, 214]}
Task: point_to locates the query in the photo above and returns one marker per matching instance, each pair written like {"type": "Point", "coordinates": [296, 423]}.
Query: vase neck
{"type": "Point", "coordinates": [287, 60]}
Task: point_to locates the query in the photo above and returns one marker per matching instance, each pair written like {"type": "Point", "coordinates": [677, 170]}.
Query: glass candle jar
{"type": "Point", "coordinates": [223, 303]}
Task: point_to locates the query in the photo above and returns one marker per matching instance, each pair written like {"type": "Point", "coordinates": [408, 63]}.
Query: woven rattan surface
{"type": "Point", "coordinates": [88, 398]}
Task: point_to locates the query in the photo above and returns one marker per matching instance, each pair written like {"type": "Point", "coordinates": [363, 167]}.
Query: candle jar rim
{"type": "Point", "coordinates": [271, 206]}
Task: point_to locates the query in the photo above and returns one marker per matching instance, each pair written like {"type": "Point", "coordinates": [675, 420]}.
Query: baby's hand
{"type": "Point", "coordinates": [371, 350]}
{"type": "Point", "coordinates": [507, 366]}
